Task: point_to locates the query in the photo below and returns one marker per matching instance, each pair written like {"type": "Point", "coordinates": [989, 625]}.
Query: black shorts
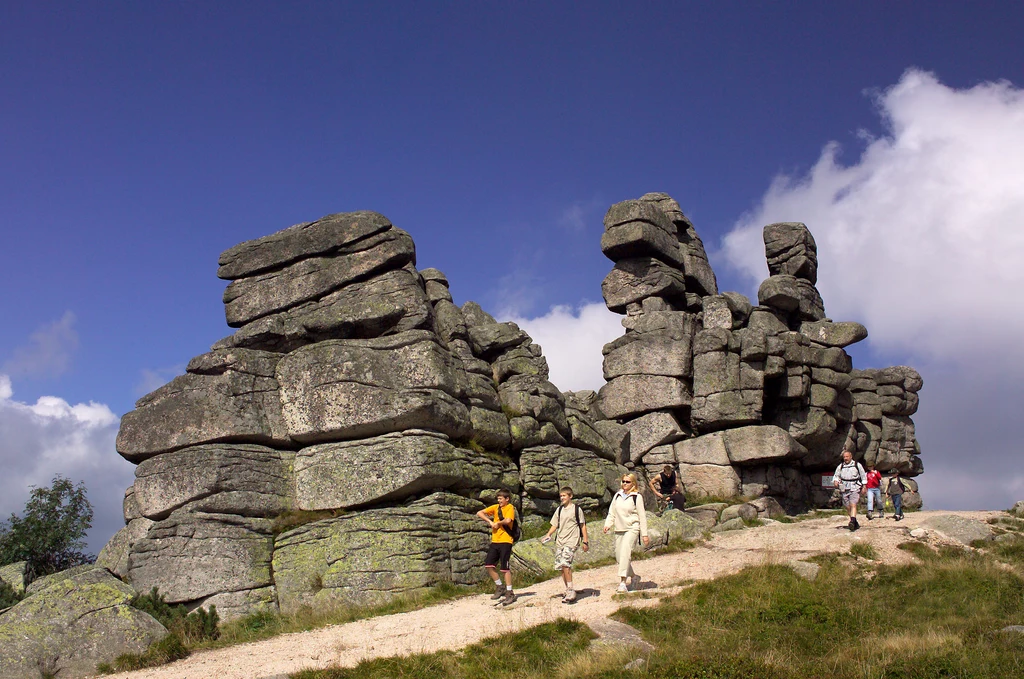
{"type": "Point", "coordinates": [499, 552]}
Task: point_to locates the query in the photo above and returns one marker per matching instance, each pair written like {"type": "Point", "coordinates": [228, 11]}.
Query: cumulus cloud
{"type": "Point", "coordinates": [922, 237]}
{"type": "Point", "coordinates": [51, 436]}
{"type": "Point", "coordinates": [572, 338]}
{"type": "Point", "coordinates": [582, 215]}
{"type": "Point", "coordinates": [48, 352]}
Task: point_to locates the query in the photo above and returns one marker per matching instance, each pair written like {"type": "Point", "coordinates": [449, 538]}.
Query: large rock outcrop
{"type": "Point", "coordinates": [745, 400]}
{"type": "Point", "coordinates": [335, 448]}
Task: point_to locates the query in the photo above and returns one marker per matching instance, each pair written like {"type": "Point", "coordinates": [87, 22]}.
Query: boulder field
{"type": "Point", "coordinates": [335, 447]}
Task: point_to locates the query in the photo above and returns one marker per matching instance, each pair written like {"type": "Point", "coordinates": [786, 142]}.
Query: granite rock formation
{"type": "Point", "coordinates": [746, 400]}
{"type": "Point", "coordinates": [336, 446]}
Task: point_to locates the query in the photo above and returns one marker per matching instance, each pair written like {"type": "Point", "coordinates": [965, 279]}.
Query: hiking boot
{"type": "Point", "coordinates": [508, 599]}
{"type": "Point", "coordinates": [869, 516]}
{"type": "Point", "coordinates": [570, 596]}
{"type": "Point", "coordinates": [854, 525]}
{"type": "Point", "coordinates": [499, 592]}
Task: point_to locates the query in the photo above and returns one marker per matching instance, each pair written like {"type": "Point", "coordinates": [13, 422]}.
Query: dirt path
{"type": "Point", "coordinates": [458, 623]}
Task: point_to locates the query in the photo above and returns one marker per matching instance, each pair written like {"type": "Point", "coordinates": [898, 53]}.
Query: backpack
{"type": "Point", "coordinates": [515, 531]}
{"type": "Point", "coordinates": [579, 520]}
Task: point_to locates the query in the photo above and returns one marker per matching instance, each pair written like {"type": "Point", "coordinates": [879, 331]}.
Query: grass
{"type": "Point", "coordinates": [939, 617]}
{"type": "Point", "coordinates": [168, 649]}
{"type": "Point", "coordinates": [539, 652]}
{"type": "Point", "coordinates": [864, 550]}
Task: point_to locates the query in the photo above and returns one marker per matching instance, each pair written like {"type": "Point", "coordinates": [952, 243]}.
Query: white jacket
{"type": "Point", "coordinates": [625, 514]}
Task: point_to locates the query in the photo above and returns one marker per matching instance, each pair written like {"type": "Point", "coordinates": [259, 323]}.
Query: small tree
{"type": "Point", "coordinates": [50, 534]}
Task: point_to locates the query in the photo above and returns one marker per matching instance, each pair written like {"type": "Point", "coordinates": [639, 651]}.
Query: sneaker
{"type": "Point", "coordinates": [622, 588]}
{"type": "Point", "coordinates": [854, 524]}
{"type": "Point", "coordinates": [509, 599]}
{"type": "Point", "coordinates": [570, 596]}
{"type": "Point", "coordinates": [634, 583]}
{"type": "Point", "coordinates": [499, 592]}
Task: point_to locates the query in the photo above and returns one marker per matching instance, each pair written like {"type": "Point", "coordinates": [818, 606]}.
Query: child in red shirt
{"type": "Point", "coordinates": [874, 487]}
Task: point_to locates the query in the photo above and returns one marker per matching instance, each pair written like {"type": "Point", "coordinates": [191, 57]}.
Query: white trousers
{"type": "Point", "coordinates": [624, 543]}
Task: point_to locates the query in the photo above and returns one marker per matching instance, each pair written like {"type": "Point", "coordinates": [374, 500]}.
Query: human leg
{"type": "Point", "coordinates": [897, 506]}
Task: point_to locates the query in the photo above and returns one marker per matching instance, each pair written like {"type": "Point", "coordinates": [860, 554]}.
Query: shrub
{"type": "Point", "coordinates": [8, 597]}
{"type": "Point", "coordinates": [191, 628]}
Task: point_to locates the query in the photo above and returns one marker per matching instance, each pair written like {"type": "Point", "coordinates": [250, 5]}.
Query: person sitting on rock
{"type": "Point", "coordinates": [626, 514]}
{"type": "Point", "coordinates": [874, 485]}
{"type": "Point", "coordinates": [569, 527]}
{"type": "Point", "coordinates": [850, 479]}
{"type": "Point", "coordinates": [499, 517]}
{"type": "Point", "coordinates": [895, 491]}
{"type": "Point", "coordinates": [666, 487]}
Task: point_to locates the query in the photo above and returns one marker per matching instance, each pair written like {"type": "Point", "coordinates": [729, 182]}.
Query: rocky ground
{"type": "Point", "coordinates": [458, 623]}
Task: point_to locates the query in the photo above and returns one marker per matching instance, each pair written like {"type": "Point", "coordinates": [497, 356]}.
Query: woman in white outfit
{"type": "Point", "coordinates": [629, 520]}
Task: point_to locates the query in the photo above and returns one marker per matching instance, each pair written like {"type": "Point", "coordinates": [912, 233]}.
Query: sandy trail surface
{"type": "Point", "coordinates": [455, 624]}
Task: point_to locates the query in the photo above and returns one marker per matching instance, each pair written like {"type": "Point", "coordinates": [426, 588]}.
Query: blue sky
{"type": "Point", "coordinates": [139, 140]}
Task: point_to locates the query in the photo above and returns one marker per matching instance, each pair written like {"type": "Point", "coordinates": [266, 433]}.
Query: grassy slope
{"type": "Point", "coordinates": [938, 618]}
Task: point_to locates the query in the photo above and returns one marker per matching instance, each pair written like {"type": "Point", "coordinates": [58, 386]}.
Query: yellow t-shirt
{"type": "Point", "coordinates": [498, 533]}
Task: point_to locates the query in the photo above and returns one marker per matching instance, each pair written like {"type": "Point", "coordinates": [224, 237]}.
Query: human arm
{"type": "Point", "coordinates": [552, 529]}
{"type": "Point", "coordinates": [586, 539]}
{"type": "Point", "coordinates": [642, 515]}
{"type": "Point", "coordinates": [653, 483]}
{"type": "Point", "coordinates": [835, 476]}
{"type": "Point", "coordinates": [483, 514]}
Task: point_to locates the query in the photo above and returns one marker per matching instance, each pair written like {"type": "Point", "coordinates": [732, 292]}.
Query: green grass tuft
{"type": "Point", "coordinates": [864, 550]}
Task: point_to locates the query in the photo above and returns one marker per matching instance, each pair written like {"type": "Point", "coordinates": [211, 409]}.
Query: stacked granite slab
{"type": "Point", "coordinates": [745, 400]}
{"type": "Point", "coordinates": [355, 399]}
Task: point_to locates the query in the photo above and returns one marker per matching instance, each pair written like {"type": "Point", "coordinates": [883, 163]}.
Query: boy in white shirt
{"type": "Point", "coordinates": [569, 527]}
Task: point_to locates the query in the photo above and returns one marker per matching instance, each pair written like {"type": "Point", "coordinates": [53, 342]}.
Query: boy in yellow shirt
{"type": "Point", "coordinates": [500, 517]}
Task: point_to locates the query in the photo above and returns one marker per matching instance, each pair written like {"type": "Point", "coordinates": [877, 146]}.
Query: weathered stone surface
{"type": "Point", "coordinates": [449, 323]}
{"type": "Point", "coordinates": [475, 315]}
{"type": "Point", "coordinates": [636, 394]}
{"type": "Point", "coordinates": [805, 569]}
{"type": "Point", "coordinates": [768, 507]}
{"type": "Point", "coordinates": [391, 468]}
{"type": "Point", "coordinates": [766, 320]}
{"type": "Point", "coordinates": [641, 238]}
{"type": "Point", "coordinates": [637, 278]}
{"type": "Point", "coordinates": [490, 429]}
{"type": "Point", "coordinates": [741, 511]}
{"type": "Point", "coordinates": [371, 556]}
{"type": "Point", "coordinates": [527, 431]}
{"type": "Point", "coordinates": [959, 528]}
{"type": "Point", "coordinates": [525, 359]}
{"type": "Point", "coordinates": [642, 210]}
{"type": "Point", "coordinates": [702, 480]}
{"type": "Point", "coordinates": [792, 295]}
{"type": "Point", "coordinates": [222, 478]}
{"type": "Point", "coordinates": [901, 375]}
{"type": "Point", "coordinates": [650, 355]}
{"type": "Point", "coordinates": [545, 469]}
{"type": "Point", "coordinates": [490, 339]}
{"type": "Point", "coordinates": [809, 426]}
{"type": "Point", "coordinates": [706, 449]}
{"type": "Point", "coordinates": [695, 260]}
{"type": "Point", "coordinates": [385, 304]}
{"type": "Point", "coordinates": [760, 444]}
{"type": "Point", "coordinates": [193, 555]}
{"type": "Point", "coordinates": [114, 555]}
{"type": "Point", "coordinates": [325, 235]}
{"type": "Point", "coordinates": [247, 299]}
{"type": "Point", "coordinates": [586, 435]}
{"type": "Point", "coordinates": [130, 506]}
{"type": "Point", "coordinates": [532, 556]}
{"type": "Point", "coordinates": [533, 396]}
{"type": "Point", "coordinates": [834, 334]}
{"type": "Point", "coordinates": [650, 430]}
{"type": "Point", "coordinates": [344, 389]}
{"type": "Point", "coordinates": [1017, 509]}
{"type": "Point", "coordinates": [717, 313]}
{"type": "Point", "coordinates": [69, 627]}
{"type": "Point", "coordinates": [732, 524]}
{"type": "Point", "coordinates": [227, 395]}
{"type": "Point", "coordinates": [14, 575]}
{"type": "Point", "coordinates": [231, 605]}
{"type": "Point", "coordinates": [790, 250]}
{"type": "Point", "coordinates": [618, 436]}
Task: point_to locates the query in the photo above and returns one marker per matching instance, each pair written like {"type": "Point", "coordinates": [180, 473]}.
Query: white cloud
{"type": "Point", "coordinates": [922, 238]}
{"type": "Point", "coordinates": [49, 350]}
{"type": "Point", "coordinates": [51, 436]}
{"type": "Point", "coordinates": [582, 215]}
{"type": "Point", "coordinates": [572, 339]}
{"type": "Point", "coordinates": [152, 379]}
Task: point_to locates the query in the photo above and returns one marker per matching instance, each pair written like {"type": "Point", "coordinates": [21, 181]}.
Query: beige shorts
{"type": "Point", "coordinates": [564, 556]}
{"type": "Point", "coordinates": [850, 496]}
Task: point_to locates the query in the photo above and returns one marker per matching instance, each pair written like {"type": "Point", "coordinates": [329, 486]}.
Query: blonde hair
{"type": "Point", "coordinates": [632, 479]}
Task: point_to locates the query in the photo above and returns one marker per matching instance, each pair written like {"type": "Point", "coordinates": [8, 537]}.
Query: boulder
{"type": "Point", "coordinates": [960, 528]}
{"type": "Point", "coordinates": [732, 524]}
{"type": "Point", "coordinates": [635, 229]}
{"type": "Point", "coordinates": [792, 295]}
{"type": "Point", "coordinates": [586, 435]}
{"type": "Point", "coordinates": [805, 569]}
{"type": "Point", "coordinates": [699, 275]}
{"type": "Point", "coordinates": [14, 575]}
{"type": "Point", "coordinates": [1017, 509]}
{"type": "Point", "coordinates": [768, 507]}
{"type": "Point", "coordinates": [225, 478]}
{"type": "Point", "coordinates": [490, 339]}
{"type": "Point", "coordinates": [709, 480]}
{"type": "Point", "coordinates": [69, 627]}
{"type": "Point", "coordinates": [705, 515]}
{"type": "Point", "coordinates": [114, 555]}
{"type": "Point", "coordinates": [834, 334]}
{"type": "Point", "coordinates": [742, 511]}
{"type": "Point", "coordinates": [391, 468]}
{"type": "Point", "coordinates": [391, 302]}
{"type": "Point", "coordinates": [617, 436]}
{"type": "Point", "coordinates": [534, 557]}
{"type": "Point", "coordinates": [654, 354]}
{"type": "Point", "coordinates": [545, 469]}
{"type": "Point", "coordinates": [790, 250]}
{"type": "Point", "coordinates": [449, 323]}
{"type": "Point", "coordinates": [527, 431]}
{"type": "Point", "coordinates": [635, 394]}
{"type": "Point", "coordinates": [325, 235]}
{"type": "Point", "coordinates": [192, 555]}
{"type": "Point", "coordinates": [706, 449]}
{"type": "Point", "coordinates": [262, 294]}
{"type": "Point", "coordinates": [490, 429]}
{"type": "Point", "coordinates": [226, 395]}
{"type": "Point", "coordinates": [369, 557]}
{"type": "Point", "coordinates": [632, 280]}
{"type": "Point", "coordinates": [345, 389]}
{"type": "Point", "coordinates": [650, 430]}
{"type": "Point", "coordinates": [758, 444]}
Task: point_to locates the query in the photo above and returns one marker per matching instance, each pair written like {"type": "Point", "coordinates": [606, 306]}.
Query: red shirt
{"type": "Point", "coordinates": [874, 479]}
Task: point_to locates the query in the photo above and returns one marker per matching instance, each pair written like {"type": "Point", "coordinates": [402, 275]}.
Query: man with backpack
{"type": "Point", "coordinates": [850, 479]}
{"type": "Point", "coordinates": [569, 527]}
{"type": "Point", "coordinates": [501, 517]}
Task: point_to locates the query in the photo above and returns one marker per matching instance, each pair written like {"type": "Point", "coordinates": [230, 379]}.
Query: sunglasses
{"type": "Point", "coordinates": [626, 481]}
